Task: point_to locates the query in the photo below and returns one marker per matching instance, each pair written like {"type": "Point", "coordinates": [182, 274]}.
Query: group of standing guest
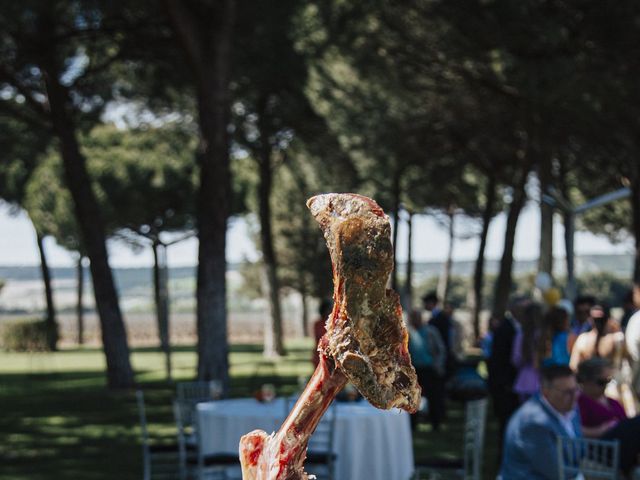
{"type": "Point", "coordinates": [432, 340]}
{"type": "Point", "coordinates": [532, 345]}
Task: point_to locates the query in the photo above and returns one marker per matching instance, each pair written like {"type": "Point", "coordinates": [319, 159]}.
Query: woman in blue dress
{"type": "Point", "coordinates": [556, 336]}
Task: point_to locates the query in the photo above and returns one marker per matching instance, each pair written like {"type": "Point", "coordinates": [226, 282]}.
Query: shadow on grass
{"type": "Point", "coordinates": [68, 425]}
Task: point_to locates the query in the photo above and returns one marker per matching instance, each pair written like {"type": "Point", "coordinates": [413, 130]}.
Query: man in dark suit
{"type": "Point", "coordinates": [530, 440]}
{"type": "Point", "coordinates": [502, 373]}
{"type": "Point", "coordinates": [439, 318]}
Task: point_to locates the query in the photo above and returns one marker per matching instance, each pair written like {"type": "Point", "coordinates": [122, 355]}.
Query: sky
{"type": "Point", "coordinates": [18, 243]}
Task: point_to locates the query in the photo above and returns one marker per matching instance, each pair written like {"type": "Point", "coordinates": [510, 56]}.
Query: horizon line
{"type": "Point", "coordinates": [470, 259]}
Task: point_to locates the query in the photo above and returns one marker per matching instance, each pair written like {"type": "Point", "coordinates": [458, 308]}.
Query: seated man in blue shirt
{"type": "Point", "coordinates": [530, 441]}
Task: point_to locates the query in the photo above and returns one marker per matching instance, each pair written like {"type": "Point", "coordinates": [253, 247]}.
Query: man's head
{"type": "Point", "coordinates": [430, 300]}
{"type": "Point", "coordinates": [559, 387]}
{"type": "Point", "coordinates": [583, 305]}
{"type": "Point", "coordinates": [326, 305]}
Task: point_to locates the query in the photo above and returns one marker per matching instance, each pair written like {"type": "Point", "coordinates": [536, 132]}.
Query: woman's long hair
{"type": "Point", "coordinates": [556, 320]}
{"type": "Point", "coordinates": [600, 315]}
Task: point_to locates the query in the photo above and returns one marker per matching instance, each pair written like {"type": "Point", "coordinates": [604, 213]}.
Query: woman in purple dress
{"type": "Point", "coordinates": [525, 355]}
{"type": "Point", "coordinates": [603, 417]}
{"type": "Point", "coordinates": [598, 413]}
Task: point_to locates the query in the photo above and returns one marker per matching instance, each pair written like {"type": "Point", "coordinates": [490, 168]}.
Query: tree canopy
{"type": "Point", "coordinates": [432, 107]}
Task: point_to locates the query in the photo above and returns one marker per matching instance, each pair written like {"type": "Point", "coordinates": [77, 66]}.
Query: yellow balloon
{"type": "Point", "coordinates": [552, 296]}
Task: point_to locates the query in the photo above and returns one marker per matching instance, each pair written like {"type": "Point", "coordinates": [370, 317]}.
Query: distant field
{"type": "Point", "coordinates": [142, 330]}
{"type": "Point", "coordinates": [23, 297]}
{"type": "Point", "coordinates": [243, 327]}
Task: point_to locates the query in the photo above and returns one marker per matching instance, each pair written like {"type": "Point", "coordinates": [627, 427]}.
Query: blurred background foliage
{"type": "Point", "coordinates": [152, 123]}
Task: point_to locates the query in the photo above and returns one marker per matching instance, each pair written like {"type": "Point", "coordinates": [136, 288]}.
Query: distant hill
{"type": "Point", "coordinates": [124, 276]}
{"type": "Point", "coordinates": [618, 265]}
{"type": "Point", "coordinates": [23, 287]}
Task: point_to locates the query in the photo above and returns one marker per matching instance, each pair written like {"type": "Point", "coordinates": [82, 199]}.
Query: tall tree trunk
{"type": "Point", "coordinates": [568, 220]}
{"type": "Point", "coordinates": [395, 192]}
{"type": "Point", "coordinates": [89, 218]}
{"type": "Point", "coordinates": [545, 261]}
{"type": "Point", "coordinates": [79, 304]}
{"type": "Point", "coordinates": [273, 343]}
{"type": "Point", "coordinates": [161, 297]}
{"type": "Point", "coordinates": [52, 324]}
{"type": "Point", "coordinates": [408, 283]}
{"type": "Point", "coordinates": [503, 283]}
{"type": "Point", "coordinates": [478, 274]}
{"type": "Point", "coordinates": [444, 280]}
{"type": "Point", "coordinates": [207, 46]}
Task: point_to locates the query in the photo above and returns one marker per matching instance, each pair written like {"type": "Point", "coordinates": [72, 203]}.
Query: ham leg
{"type": "Point", "coordinates": [365, 343]}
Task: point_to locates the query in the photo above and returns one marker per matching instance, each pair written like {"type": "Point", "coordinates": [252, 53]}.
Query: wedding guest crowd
{"type": "Point", "coordinates": [537, 347]}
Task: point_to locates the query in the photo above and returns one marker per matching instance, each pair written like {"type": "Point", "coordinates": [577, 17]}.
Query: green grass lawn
{"type": "Point", "coordinates": [60, 422]}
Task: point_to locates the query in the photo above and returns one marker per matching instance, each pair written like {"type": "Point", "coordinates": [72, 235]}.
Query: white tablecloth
{"type": "Point", "coordinates": [371, 444]}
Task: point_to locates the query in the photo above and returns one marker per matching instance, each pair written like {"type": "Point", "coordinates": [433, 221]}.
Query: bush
{"type": "Point", "coordinates": [25, 336]}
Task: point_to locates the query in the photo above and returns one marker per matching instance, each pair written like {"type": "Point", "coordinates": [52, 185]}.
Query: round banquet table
{"type": "Point", "coordinates": [371, 444]}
